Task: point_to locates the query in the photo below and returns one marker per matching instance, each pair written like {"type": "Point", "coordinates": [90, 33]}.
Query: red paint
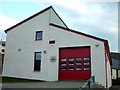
{"type": "Point", "coordinates": [52, 42]}
{"type": "Point", "coordinates": [106, 70]}
{"type": "Point", "coordinates": [107, 53]}
{"type": "Point", "coordinates": [74, 52]}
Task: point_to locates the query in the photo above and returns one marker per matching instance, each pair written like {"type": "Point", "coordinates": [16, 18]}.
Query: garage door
{"type": "Point", "coordinates": [74, 63]}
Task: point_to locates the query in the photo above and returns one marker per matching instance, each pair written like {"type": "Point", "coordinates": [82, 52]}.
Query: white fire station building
{"type": "Point", "coordinates": [42, 47]}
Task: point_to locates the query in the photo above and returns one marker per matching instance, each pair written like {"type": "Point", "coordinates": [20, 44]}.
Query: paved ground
{"type": "Point", "coordinates": [0, 82]}
{"type": "Point", "coordinates": [59, 84]}
{"type": "Point", "coordinates": [115, 87]}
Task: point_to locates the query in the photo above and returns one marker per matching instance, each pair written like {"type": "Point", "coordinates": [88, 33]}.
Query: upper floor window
{"type": "Point", "coordinates": [39, 35]}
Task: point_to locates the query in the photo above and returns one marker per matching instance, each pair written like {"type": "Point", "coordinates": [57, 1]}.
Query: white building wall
{"type": "Point", "coordinates": [55, 19]}
{"type": "Point", "coordinates": [69, 39]}
{"type": "Point", "coordinates": [21, 63]}
{"type": "Point", "coordinates": [109, 76]}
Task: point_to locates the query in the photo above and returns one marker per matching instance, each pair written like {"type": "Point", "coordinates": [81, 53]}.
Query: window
{"type": "Point", "coordinates": [86, 63]}
{"type": "Point", "coordinates": [86, 58]}
{"type": "Point", "coordinates": [70, 59]}
{"type": "Point", "coordinates": [78, 59]}
{"type": "Point", "coordinates": [3, 50]}
{"type": "Point", "coordinates": [71, 68]}
{"type": "Point", "coordinates": [37, 61]}
{"type": "Point", "coordinates": [78, 63]}
{"type": "Point", "coordinates": [86, 68]}
{"type": "Point", "coordinates": [78, 68]}
{"type": "Point", "coordinates": [39, 35]}
{"type": "Point", "coordinates": [63, 59]}
{"type": "Point", "coordinates": [63, 64]}
{"type": "Point", "coordinates": [63, 68]}
{"type": "Point", "coordinates": [3, 44]}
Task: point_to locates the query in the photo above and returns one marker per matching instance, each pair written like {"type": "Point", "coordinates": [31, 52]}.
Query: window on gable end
{"type": "Point", "coordinates": [39, 35]}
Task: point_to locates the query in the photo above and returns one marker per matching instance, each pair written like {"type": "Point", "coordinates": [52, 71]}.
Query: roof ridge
{"type": "Point", "coordinates": [42, 11]}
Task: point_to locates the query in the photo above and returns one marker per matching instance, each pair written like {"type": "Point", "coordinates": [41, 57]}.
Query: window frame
{"type": "Point", "coordinates": [3, 50]}
{"type": "Point", "coordinates": [37, 60]}
{"type": "Point", "coordinates": [36, 39]}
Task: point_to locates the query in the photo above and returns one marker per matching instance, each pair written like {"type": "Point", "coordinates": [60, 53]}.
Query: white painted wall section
{"type": "Point", "coordinates": [21, 63]}
{"type": "Point", "coordinates": [68, 39]}
{"type": "Point", "coordinates": [54, 18]}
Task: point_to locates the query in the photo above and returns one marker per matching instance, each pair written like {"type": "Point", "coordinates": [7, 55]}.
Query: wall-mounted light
{"type": "Point", "coordinates": [44, 51]}
{"type": "Point", "coordinates": [19, 50]}
{"type": "Point", "coordinates": [97, 45]}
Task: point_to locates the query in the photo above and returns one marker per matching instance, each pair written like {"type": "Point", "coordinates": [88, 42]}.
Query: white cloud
{"type": "Point", "coordinates": [58, 0]}
{"type": "Point", "coordinates": [93, 17]}
{"type": "Point", "coordinates": [99, 19]}
{"type": "Point", "coordinates": [5, 23]}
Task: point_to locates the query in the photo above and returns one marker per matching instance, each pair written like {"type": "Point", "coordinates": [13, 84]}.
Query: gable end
{"type": "Point", "coordinates": [28, 19]}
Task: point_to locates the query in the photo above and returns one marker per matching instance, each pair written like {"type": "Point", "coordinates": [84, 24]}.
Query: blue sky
{"type": "Point", "coordinates": [95, 18]}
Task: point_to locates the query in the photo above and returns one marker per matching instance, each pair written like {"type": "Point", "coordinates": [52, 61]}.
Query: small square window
{"type": "Point", "coordinates": [78, 59]}
{"type": "Point", "coordinates": [3, 50]}
{"type": "Point", "coordinates": [86, 58]}
{"type": "Point", "coordinates": [78, 68]}
{"type": "Point", "coordinates": [71, 68]}
{"type": "Point", "coordinates": [63, 68]}
{"type": "Point", "coordinates": [39, 35]}
{"type": "Point", "coordinates": [63, 64]}
{"type": "Point", "coordinates": [86, 68]}
{"type": "Point", "coordinates": [70, 59]}
{"type": "Point", "coordinates": [78, 63]}
{"type": "Point", "coordinates": [86, 63]}
{"type": "Point", "coordinates": [63, 59]}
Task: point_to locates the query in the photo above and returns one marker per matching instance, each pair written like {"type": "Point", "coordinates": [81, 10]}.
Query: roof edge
{"type": "Point", "coordinates": [107, 49]}
{"type": "Point", "coordinates": [77, 32]}
{"type": "Point", "coordinates": [29, 18]}
{"type": "Point", "coordinates": [90, 36]}
{"type": "Point", "coordinates": [59, 17]}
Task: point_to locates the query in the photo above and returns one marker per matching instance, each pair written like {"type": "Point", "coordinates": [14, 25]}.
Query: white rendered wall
{"type": "Point", "coordinates": [21, 64]}
{"type": "Point", "coordinates": [69, 39]}
{"type": "Point", "coordinates": [109, 76]}
{"type": "Point", "coordinates": [54, 19]}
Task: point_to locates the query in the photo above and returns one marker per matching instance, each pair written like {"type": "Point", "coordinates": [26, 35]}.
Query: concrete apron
{"type": "Point", "coordinates": [58, 84]}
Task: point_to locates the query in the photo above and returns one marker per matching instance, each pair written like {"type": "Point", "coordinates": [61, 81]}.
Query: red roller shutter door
{"type": "Point", "coordinates": [74, 63]}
